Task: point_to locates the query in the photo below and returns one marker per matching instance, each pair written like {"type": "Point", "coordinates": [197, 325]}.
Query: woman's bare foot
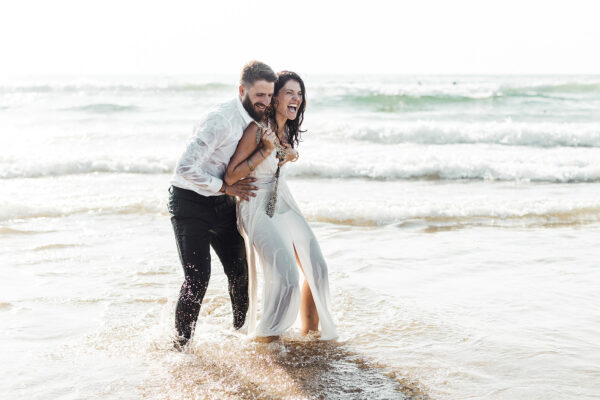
{"type": "Point", "coordinates": [266, 339]}
{"type": "Point", "coordinates": [312, 334]}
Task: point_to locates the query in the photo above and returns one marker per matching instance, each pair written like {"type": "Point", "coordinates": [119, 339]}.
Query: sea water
{"type": "Point", "coordinates": [459, 215]}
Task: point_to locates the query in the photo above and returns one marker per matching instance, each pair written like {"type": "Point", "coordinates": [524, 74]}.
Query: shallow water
{"type": "Point", "coordinates": [460, 223]}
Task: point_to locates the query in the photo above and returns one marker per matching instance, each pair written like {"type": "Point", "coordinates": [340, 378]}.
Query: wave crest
{"type": "Point", "coordinates": [104, 108]}
{"type": "Point", "coordinates": [433, 167]}
{"type": "Point", "coordinates": [397, 97]}
{"type": "Point", "coordinates": [114, 88]}
{"type": "Point", "coordinates": [397, 213]}
{"type": "Point", "coordinates": [74, 167]}
{"type": "Point", "coordinates": [507, 133]}
{"type": "Point", "coordinates": [446, 170]}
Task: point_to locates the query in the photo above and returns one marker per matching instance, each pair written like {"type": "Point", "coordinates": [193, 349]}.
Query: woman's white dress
{"type": "Point", "coordinates": [272, 240]}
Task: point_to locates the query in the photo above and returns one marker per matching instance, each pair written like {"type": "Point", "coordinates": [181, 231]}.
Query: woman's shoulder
{"type": "Point", "coordinates": [256, 126]}
{"type": "Point", "coordinates": [252, 127]}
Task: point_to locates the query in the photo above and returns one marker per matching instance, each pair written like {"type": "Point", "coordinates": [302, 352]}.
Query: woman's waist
{"type": "Point", "coordinates": [264, 192]}
{"type": "Point", "coordinates": [264, 181]}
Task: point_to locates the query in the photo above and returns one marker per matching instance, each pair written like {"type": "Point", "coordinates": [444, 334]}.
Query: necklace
{"type": "Point", "coordinates": [281, 153]}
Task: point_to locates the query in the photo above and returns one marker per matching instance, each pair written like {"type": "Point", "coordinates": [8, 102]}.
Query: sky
{"type": "Point", "coordinates": [374, 36]}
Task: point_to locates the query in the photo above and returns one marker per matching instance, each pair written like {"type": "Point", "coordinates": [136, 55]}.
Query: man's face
{"type": "Point", "coordinates": [257, 97]}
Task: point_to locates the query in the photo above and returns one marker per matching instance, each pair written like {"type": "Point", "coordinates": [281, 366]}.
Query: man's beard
{"type": "Point", "coordinates": [256, 115]}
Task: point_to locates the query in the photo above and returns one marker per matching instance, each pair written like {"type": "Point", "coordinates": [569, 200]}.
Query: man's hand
{"type": "Point", "coordinates": [242, 188]}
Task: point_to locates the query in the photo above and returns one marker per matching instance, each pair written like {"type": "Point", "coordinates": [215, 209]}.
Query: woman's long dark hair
{"type": "Point", "coordinates": [293, 125]}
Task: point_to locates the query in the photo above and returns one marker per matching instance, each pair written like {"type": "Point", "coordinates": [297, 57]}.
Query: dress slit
{"type": "Point", "coordinates": [282, 245]}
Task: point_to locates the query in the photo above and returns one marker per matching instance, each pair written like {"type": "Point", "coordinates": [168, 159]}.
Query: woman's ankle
{"type": "Point", "coordinates": [266, 339]}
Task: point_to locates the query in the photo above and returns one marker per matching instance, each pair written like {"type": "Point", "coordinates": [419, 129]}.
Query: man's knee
{"type": "Point", "coordinates": [236, 267]}
{"type": "Point", "coordinates": [194, 286]}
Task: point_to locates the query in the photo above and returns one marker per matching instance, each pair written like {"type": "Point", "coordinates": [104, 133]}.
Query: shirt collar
{"type": "Point", "coordinates": [245, 116]}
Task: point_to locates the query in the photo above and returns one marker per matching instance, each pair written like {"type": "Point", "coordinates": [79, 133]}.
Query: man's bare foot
{"type": "Point", "coordinates": [180, 343]}
{"type": "Point", "coordinates": [266, 339]}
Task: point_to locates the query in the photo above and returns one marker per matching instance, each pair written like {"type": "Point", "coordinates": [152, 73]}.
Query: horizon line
{"type": "Point", "coordinates": [221, 73]}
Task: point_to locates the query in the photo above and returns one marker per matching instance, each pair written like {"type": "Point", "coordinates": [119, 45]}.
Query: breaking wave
{"type": "Point", "coordinates": [433, 167]}
{"type": "Point", "coordinates": [104, 108]}
{"type": "Point", "coordinates": [73, 167]}
{"type": "Point", "coordinates": [374, 213]}
{"type": "Point", "coordinates": [448, 170]}
{"type": "Point", "coordinates": [112, 88]}
{"type": "Point", "coordinates": [543, 134]}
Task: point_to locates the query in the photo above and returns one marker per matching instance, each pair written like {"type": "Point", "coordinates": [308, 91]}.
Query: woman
{"type": "Point", "coordinates": [273, 225]}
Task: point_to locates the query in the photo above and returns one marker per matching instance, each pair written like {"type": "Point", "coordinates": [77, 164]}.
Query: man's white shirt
{"type": "Point", "coordinates": [202, 165]}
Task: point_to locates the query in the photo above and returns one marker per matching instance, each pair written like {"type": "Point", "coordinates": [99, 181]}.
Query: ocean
{"type": "Point", "coordinates": [459, 216]}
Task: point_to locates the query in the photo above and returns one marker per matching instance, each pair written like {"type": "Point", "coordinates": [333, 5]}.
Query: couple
{"type": "Point", "coordinates": [237, 150]}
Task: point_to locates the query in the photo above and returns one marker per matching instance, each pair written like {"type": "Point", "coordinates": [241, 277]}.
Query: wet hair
{"type": "Point", "coordinates": [293, 125]}
{"type": "Point", "coordinates": [256, 71]}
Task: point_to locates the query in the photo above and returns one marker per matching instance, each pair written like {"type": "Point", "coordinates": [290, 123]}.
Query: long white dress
{"type": "Point", "coordinates": [273, 240]}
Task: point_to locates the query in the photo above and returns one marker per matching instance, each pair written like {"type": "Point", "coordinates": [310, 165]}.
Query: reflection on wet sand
{"type": "Point", "coordinates": [286, 369]}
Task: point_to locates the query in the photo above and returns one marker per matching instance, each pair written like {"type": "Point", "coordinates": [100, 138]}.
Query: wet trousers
{"type": "Point", "coordinates": [201, 222]}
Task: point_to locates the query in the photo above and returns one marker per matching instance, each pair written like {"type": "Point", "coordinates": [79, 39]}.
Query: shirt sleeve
{"type": "Point", "coordinates": [207, 137]}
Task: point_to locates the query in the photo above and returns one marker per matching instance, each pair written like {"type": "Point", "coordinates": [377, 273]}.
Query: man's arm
{"type": "Point", "coordinates": [248, 154]}
{"type": "Point", "coordinates": [207, 136]}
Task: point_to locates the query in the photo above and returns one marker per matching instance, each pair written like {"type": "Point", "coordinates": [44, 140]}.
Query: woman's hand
{"type": "Point", "coordinates": [290, 154]}
{"type": "Point", "coordinates": [268, 140]}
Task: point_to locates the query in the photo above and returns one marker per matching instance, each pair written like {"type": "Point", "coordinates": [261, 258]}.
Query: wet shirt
{"type": "Point", "coordinates": [202, 165]}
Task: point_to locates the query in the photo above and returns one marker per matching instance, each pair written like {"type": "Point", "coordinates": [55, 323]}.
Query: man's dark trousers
{"type": "Point", "coordinates": [200, 222]}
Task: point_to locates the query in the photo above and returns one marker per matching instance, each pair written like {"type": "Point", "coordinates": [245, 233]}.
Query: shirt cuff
{"type": "Point", "coordinates": [215, 185]}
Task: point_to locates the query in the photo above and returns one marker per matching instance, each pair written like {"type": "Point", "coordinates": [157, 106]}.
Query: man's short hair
{"type": "Point", "coordinates": [256, 71]}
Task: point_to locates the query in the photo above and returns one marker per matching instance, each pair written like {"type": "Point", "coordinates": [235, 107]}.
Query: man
{"type": "Point", "coordinates": [203, 207]}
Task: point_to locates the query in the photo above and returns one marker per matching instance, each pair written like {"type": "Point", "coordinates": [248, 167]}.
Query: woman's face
{"type": "Point", "coordinates": [288, 99]}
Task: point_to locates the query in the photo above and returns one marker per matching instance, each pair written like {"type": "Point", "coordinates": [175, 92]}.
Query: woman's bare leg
{"type": "Point", "coordinates": [308, 310]}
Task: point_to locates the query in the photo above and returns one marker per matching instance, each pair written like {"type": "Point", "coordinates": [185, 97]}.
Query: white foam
{"type": "Point", "coordinates": [18, 210]}
{"type": "Point", "coordinates": [332, 159]}
{"type": "Point", "coordinates": [447, 162]}
{"type": "Point", "coordinates": [363, 212]}
{"type": "Point", "coordinates": [50, 167]}
{"type": "Point", "coordinates": [351, 202]}
{"type": "Point", "coordinates": [507, 132]}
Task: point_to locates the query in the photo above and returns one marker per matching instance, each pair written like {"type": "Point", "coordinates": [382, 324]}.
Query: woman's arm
{"type": "Point", "coordinates": [248, 153]}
